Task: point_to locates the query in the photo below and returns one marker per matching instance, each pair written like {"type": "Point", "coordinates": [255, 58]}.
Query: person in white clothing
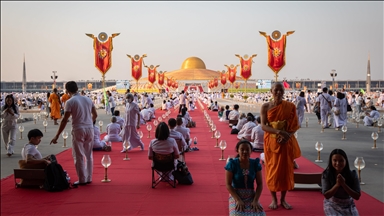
{"type": "Point", "coordinates": [331, 112]}
{"type": "Point", "coordinates": [340, 105]}
{"type": "Point", "coordinates": [9, 113]}
{"type": "Point", "coordinates": [83, 114]}
{"type": "Point", "coordinates": [31, 157]}
{"type": "Point", "coordinates": [164, 105]}
{"type": "Point", "coordinates": [147, 114]}
{"type": "Point", "coordinates": [240, 123]}
{"type": "Point", "coordinates": [257, 137]}
{"type": "Point", "coordinates": [153, 110]}
{"type": "Point", "coordinates": [325, 108]}
{"type": "Point", "coordinates": [246, 130]}
{"type": "Point", "coordinates": [183, 130]}
{"type": "Point", "coordinates": [370, 118]}
{"type": "Point", "coordinates": [119, 120]}
{"type": "Point", "coordinates": [182, 100]}
{"type": "Point", "coordinates": [97, 143]}
{"type": "Point", "coordinates": [301, 104]}
{"type": "Point", "coordinates": [234, 114]}
{"type": "Point", "coordinates": [113, 130]}
{"type": "Point", "coordinates": [132, 123]}
{"type": "Point", "coordinates": [175, 134]}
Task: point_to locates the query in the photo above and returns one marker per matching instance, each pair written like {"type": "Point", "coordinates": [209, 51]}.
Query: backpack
{"type": "Point", "coordinates": [55, 177]}
{"type": "Point", "coordinates": [182, 174]}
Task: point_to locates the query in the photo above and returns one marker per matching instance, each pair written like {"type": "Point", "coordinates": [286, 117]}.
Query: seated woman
{"type": "Point", "coordinates": [369, 120]}
{"type": "Point", "coordinates": [340, 186]}
{"type": "Point", "coordinates": [240, 175]}
{"type": "Point", "coordinates": [240, 124]}
{"type": "Point", "coordinates": [246, 130]}
{"type": "Point", "coordinates": [97, 143]}
{"type": "Point", "coordinates": [113, 129]}
{"type": "Point", "coordinates": [163, 144]}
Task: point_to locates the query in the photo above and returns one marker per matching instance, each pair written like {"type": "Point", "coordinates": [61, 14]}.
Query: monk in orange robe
{"type": "Point", "coordinates": [65, 97]}
{"type": "Point", "coordinates": [279, 122]}
{"type": "Point", "coordinates": [54, 99]}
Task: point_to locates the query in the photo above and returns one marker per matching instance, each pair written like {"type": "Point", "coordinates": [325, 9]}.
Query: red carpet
{"type": "Point", "coordinates": [130, 191]}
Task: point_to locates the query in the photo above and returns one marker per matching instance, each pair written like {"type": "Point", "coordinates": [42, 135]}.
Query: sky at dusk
{"type": "Point", "coordinates": [328, 35]}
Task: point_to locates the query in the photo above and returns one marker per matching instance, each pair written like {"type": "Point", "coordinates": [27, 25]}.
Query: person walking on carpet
{"type": "Point", "coordinates": [83, 114]}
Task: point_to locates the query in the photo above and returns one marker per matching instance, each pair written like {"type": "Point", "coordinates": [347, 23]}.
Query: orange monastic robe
{"type": "Point", "coordinates": [279, 157]}
{"type": "Point", "coordinates": [64, 98]}
{"type": "Point", "coordinates": [55, 106]}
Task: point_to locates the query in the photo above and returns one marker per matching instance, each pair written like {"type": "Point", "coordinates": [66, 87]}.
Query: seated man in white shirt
{"type": "Point", "coordinates": [183, 130]}
{"type": "Point", "coordinates": [234, 114]}
{"type": "Point", "coordinates": [147, 114]}
{"type": "Point", "coordinates": [152, 109]}
{"type": "Point", "coordinates": [119, 120]}
{"type": "Point", "coordinates": [176, 135]}
{"type": "Point", "coordinates": [246, 130]}
{"type": "Point", "coordinates": [257, 137]}
{"type": "Point", "coordinates": [240, 124]}
{"type": "Point", "coordinates": [31, 157]}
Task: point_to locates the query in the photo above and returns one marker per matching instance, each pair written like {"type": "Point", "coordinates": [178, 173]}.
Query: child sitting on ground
{"type": "Point", "coordinates": [97, 143]}
{"type": "Point", "coordinates": [113, 130]}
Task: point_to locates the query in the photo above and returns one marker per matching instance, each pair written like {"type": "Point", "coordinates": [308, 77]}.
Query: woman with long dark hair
{"type": "Point", "coordinates": [340, 185]}
{"type": "Point", "coordinates": [240, 176]}
{"type": "Point", "coordinates": [10, 113]}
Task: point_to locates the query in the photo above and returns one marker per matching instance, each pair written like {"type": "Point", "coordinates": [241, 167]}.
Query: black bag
{"type": "Point", "coordinates": [182, 175]}
{"type": "Point", "coordinates": [349, 108]}
{"type": "Point", "coordinates": [55, 177]}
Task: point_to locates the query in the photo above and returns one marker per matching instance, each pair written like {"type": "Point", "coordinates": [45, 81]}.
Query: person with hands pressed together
{"type": "Point", "coordinates": [279, 121]}
{"type": "Point", "coordinates": [10, 113]}
{"type": "Point", "coordinates": [132, 123]}
{"type": "Point", "coordinates": [340, 186]}
{"type": "Point", "coordinates": [240, 175]}
{"type": "Point", "coordinates": [83, 114]}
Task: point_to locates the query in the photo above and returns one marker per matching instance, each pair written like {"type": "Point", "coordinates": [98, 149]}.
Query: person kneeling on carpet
{"type": "Point", "coordinates": [113, 130]}
{"type": "Point", "coordinates": [240, 175]}
{"type": "Point", "coordinates": [98, 144]}
{"type": "Point", "coordinates": [340, 185]}
{"type": "Point", "coordinates": [163, 144]}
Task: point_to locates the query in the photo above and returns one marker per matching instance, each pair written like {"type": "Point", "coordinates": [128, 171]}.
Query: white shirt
{"type": "Point", "coordinates": [163, 147]}
{"type": "Point", "coordinates": [120, 121]}
{"type": "Point", "coordinates": [257, 137]}
{"type": "Point", "coordinates": [184, 131]}
{"type": "Point", "coordinates": [177, 136]}
{"type": "Point", "coordinates": [30, 149]}
{"type": "Point", "coordinates": [81, 110]}
{"type": "Point", "coordinates": [241, 123]}
{"type": "Point", "coordinates": [246, 131]}
{"type": "Point", "coordinates": [234, 115]}
{"type": "Point", "coordinates": [182, 99]}
{"type": "Point", "coordinates": [147, 114]}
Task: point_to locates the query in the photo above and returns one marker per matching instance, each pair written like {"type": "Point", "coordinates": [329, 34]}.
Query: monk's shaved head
{"type": "Point", "coordinates": [277, 84]}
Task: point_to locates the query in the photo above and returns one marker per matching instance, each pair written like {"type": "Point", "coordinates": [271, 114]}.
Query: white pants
{"type": "Point", "coordinates": [309, 108]}
{"type": "Point", "coordinates": [324, 117]}
{"type": "Point", "coordinates": [9, 137]}
{"type": "Point", "coordinates": [130, 133]}
{"type": "Point", "coordinates": [82, 142]}
{"type": "Point", "coordinates": [300, 114]}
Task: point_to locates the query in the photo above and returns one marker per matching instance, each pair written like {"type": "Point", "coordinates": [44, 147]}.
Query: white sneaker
{"type": "Point", "coordinates": [123, 151]}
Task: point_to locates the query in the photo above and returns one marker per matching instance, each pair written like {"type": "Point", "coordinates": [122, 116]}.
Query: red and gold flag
{"type": "Point", "coordinates": [103, 54]}
{"type": "Point", "coordinates": [137, 67]}
{"type": "Point", "coordinates": [223, 78]}
{"type": "Point", "coordinates": [276, 53]}
{"type": "Point", "coordinates": [169, 82]}
{"type": "Point", "coordinates": [152, 72]}
{"type": "Point", "coordinates": [232, 73]}
{"type": "Point", "coordinates": [215, 82]}
{"type": "Point", "coordinates": [161, 78]}
{"type": "Point", "coordinates": [246, 68]}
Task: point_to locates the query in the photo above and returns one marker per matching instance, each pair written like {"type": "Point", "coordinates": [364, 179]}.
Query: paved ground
{"type": "Point", "coordinates": [358, 143]}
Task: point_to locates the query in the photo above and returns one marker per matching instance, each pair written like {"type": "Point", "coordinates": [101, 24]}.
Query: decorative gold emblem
{"type": "Point", "coordinates": [103, 53]}
{"type": "Point", "coordinates": [276, 52]}
{"type": "Point", "coordinates": [102, 37]}
{"type": "Point", "coordinates": [136, 68]}
{"type": "Point", "coordinates": [245, 67]}
{"type": "Point", "coordinates": [276, 35]}
{"type": "Point", "coordinates": [137, 57]}
{"type": "Point", "coordinates": [246, 56]}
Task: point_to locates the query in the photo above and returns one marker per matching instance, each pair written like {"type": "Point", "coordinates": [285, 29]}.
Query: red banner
{"type": "Point", "coordinates": [103, 53]}
{"type": "Point", "coordinates": [276, 53]}
{"type": "Point", "coordinates": [223, 78]}
{"type": "Point", "coordinates": [161, 79]}
{"type": "Point", "coordinates": [169, 82]}
{"type": "Point", "coordinates": [152, 74]}
{"type": "Point", "coordinates": [137, 68]}
{"type": "Point", "coordinates": [245, 70]}
{"type": "Point", "coordinates": [215, 82]}
{"type": "Point", "coordinates": [232, 74]}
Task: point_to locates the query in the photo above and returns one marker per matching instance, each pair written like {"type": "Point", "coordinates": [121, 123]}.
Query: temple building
{"type": "Point", "coordinates": [193, 75]}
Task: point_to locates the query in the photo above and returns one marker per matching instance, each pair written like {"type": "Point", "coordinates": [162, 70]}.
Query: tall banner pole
{"type": "Point", "coordinates": [276, 50]}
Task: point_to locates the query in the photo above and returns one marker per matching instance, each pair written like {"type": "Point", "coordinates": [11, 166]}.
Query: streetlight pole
{"type": "Point", "coordinates": [54, 77]}
{"type": "Point", "coordinates": [333, 75]}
